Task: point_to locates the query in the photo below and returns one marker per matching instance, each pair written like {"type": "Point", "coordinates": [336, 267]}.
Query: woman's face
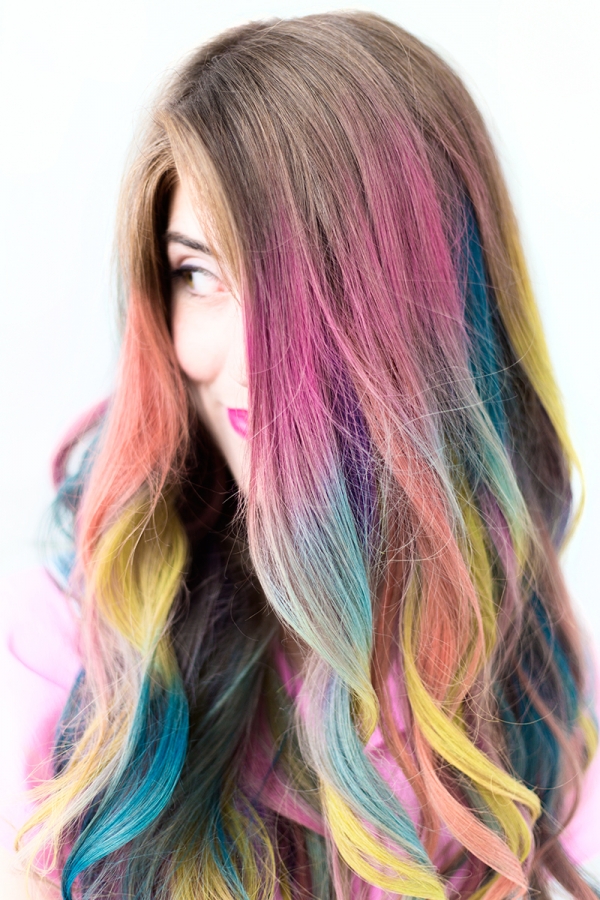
{"type": "Point", "coordinates": [207, 327]}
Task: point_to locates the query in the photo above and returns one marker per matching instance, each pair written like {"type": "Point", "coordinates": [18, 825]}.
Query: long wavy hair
{"type": "Point", "coordinates": [410, 492]}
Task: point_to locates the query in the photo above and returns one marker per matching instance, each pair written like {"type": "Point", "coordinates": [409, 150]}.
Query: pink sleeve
{"type": "Point", "coordinates": [581, 839]}
{"type": "Point", "coordinates": [39, 662]}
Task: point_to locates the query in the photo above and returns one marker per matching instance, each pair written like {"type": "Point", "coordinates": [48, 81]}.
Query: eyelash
{"type": "Point", "coordinates": [186, 270]}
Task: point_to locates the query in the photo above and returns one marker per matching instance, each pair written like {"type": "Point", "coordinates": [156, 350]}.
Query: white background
{"type": "Point", "coordinates": [74, 78]}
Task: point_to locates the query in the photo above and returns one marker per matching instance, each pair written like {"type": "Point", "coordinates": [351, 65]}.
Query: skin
{"type": "Point", "coordinates": [207, 328]}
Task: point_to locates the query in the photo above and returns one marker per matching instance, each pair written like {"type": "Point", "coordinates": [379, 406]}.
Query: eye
{"type": "Point", "coordinates": [199, 281]}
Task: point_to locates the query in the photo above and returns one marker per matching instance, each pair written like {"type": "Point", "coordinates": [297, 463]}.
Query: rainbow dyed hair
{"type": "Point", "coordinates": [410, 493]}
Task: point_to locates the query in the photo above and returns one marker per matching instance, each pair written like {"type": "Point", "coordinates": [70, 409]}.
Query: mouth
{"type": "Point", "coordinates": [239, 421]}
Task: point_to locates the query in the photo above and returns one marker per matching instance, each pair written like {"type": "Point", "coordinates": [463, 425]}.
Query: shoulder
{"type": "Point", "coordinates": [581, 838]}
{"type": "Point", "coordinates": [39, 631]}
{"type": "Point", "coordinates": [39, 661]}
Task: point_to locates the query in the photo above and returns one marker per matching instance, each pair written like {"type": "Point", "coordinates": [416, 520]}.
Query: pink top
{"type": "Point", "coordinates": [39, 660]}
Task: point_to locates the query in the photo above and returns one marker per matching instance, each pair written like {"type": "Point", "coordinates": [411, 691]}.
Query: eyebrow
{"type": "Point", "coordinates": [174, 237]}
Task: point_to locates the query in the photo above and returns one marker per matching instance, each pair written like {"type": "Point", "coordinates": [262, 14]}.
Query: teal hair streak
{"type": "Point", "coordinates": [570, 710]}
{"type": "Point", "coordinates": [484, 447]}
{"type": "Point", "coordinates": [143, 786]}
{"type": "Point", "coordinates": [225, 689]}
{"type": "Point", "coordinates": [361, 786]}
{"type": "Point", "coordinates": [534, 751]}
{"type": "Point", "coordinates": [64, 508]}
{"type": "Point", "coordinates": [485, 357]}
{"type": "Point", "coordinates": [328, 556]}
{"type": "Point", "coordinates": [337, 586]}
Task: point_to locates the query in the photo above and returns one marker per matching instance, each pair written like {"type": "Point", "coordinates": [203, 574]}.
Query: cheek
{"type": "Point", "coordinates": [197, 343]}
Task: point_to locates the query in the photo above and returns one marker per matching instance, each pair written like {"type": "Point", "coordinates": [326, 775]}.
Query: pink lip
{"type": "Point", "coordinates": [239, 420]}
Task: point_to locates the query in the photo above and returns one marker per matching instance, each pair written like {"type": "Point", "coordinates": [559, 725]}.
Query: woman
{"type": "Point", "coordinates": [325, 644]}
